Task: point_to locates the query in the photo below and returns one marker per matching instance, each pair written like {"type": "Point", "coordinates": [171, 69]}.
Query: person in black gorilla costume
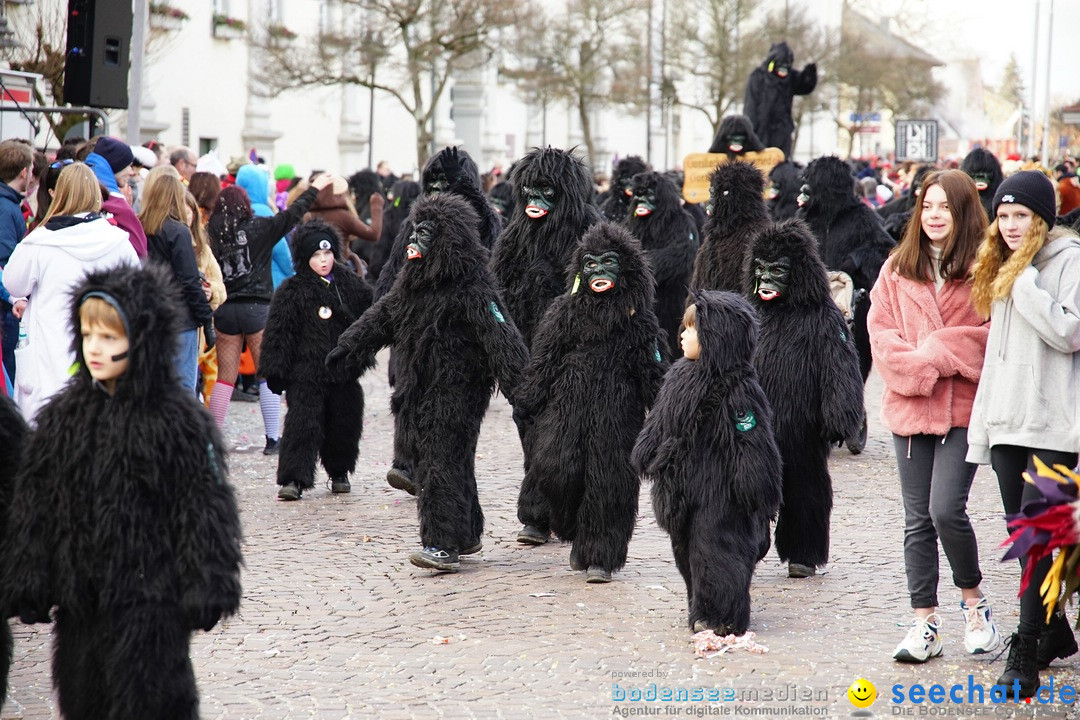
{"type": "Point", "coordinates": [736, 137]}
{"type": "Point", "coordinates": [849, 233]}
{"type": "Point", "coordinates": [782, 192]}
{"type": "Point", "coordinates": [307, 315]}
{"type": "Point", "coordinates": [709, 449]}
{"type": "Point", "coordinates": [984, 168]}
{"type": "Point", "coordinates": [896, 213]}
{"type": "Point", "coordinates": [12, 434]}
{"type": "Point", "coordinates": [769, 93]}
{"type": "Point", "coordinates": [595, 370]}
{"type": "Point", "coordinates": [502, 199]}
{"type": "Point", "coordinates": [668, 236]}
{"type": "Point", "coordinates": [809, 370]}
{"type": "Point", "coordinates": [694, 210]}
{"type": "Point", "coordinates": [403, 194]}
{"type": "Point", "coordinates": [737, 212]}
{"type": "Point", "coordinates": [121, 516]}
{"type": "Point", "coordinates": [615, 204]}
{"type": "Point", "coordinates": [446, 319]}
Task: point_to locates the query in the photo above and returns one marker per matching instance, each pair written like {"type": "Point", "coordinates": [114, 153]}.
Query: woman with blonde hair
{"type": "Point", "coordinates": [1027, 280]}
{"type": "Point", "coordinates": [164, 217]}
{"type": "Point", "coordinates": [213, 287]}
{"type": "Point", "coordinates": [72, 239]}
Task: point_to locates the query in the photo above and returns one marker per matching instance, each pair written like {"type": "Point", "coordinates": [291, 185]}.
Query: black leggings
{"type": "Point", "coordinates": [1009, 462]}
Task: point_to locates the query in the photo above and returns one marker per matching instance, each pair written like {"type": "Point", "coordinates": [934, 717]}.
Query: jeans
{"type": "Point", "coordinates": [187, 358]}
{"type": "Point", "coordinates": [935, 481]}
{"type": "Point", "coordinates": [10, 327]}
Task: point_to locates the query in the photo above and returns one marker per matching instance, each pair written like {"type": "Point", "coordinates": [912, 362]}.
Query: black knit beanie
{"type": "Point", "coordinates": [311, 236]}
{"type": "Point", "coordinates": [1029, 188]}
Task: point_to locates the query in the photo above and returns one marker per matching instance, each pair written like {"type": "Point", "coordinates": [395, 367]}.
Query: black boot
{"type": "Point", "coordinates": [1022, 664]}
{"type": "Point", "coordinates": [1056, 641]}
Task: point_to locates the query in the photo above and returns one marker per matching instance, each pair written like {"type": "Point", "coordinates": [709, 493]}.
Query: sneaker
{"type": "Point", "coordinates": [798, 570]}
{"type": "Point", "coordinates": [436, 558]}
{"type": "Point", "coordinates": [272, 446]}
{"type": "Point", "coordinates": [597, 574]}
{"type": "Point", "coordinates": [290, 491]}
{"type": "Point", "coordinates": [473, 549]}
{"type": "Point", "coordinates": [922, 641]}
{"type": "Point", "coordinates": [400, 480]}
{"type": "Point", "coordinates": [532, 535]}
{"type": "Point", "coordinates": [1056, 641]}
{"type": "Point", "coordinates": [980, 633]}
{"type": "Point", "coordinates": [340, 484]}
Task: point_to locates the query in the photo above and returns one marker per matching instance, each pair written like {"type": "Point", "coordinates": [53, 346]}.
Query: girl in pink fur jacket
{"type": "Point", "coordinates": [928, 345]}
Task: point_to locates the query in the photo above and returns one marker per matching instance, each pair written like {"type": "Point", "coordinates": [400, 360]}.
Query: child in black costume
{"type": "Point", "coordinates": [121, 515]}
{"type": "Point", "coordinates": [309, 312]}
{"type": "Point", "coordinates": [595, 370]}
{"type": "Point", "coordinates": [453, 339]}
{"type": "Point", "coordinates": [708, 447]}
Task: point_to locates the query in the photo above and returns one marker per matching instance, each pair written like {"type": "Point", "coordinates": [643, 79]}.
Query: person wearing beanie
{"type": "Point", "coordinates": [1026, 279]}
{"type": "Point", "coordinates": [111, 161]}
{"type": "Point", "coordinates": [326, 406]}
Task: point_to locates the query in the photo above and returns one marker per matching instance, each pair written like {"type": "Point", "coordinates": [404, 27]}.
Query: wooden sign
{"type": "Point", "coordinates": [698, 166]}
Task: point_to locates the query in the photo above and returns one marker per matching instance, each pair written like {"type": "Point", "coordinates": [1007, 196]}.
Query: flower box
{"type": "Point", "coordinates": [280, 33]}
{"type": "Point", "coordinates": [167, 17]}
{"type": "Point", "coordinates": [228, 28]}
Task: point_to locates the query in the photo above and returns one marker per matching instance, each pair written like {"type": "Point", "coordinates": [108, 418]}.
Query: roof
{"type": "Point", "coordinates": [880, 40]}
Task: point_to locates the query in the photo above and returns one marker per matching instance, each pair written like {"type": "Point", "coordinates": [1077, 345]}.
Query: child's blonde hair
{"type": "Point", "coordinates": [95, 311]}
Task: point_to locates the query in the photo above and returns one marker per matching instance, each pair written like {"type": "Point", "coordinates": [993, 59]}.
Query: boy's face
{"type": "Point", "coordinates": [688, 340]}
{"type": "Point", "coordinates": [100, 345]}
{"type": "Point", "coordinates": [322, 262]}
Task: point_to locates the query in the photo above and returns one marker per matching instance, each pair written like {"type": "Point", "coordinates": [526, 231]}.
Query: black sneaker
{"type": "Point", "coordinates": [340, 484]}
{"type": "Point", "coordinates": [473, 549]}
{"type": "Point", "coordinates": [290, 491]}
{"type": "Point", "coordinates": [597, 574]}
{"type": "Point", "coordinates": [857, 443]}
{"type": "Point", "coordinates": [272, 446]}
{"type": "Point", "coordinates": [400, 480]}
{"type": "Point", "coordinates": [532, 535]}
{"type": "Point", "coordinates": [436, 559]}
{"type": "Point", "coordinates": [798, 570]}
{"type": "Point", "coordinates": [1056, 641]}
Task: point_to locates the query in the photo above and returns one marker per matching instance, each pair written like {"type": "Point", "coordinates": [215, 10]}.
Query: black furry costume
{"type": "Point", "coordinates": [122, 517]}
{"type": "Point", "coordinates": [984, 168]}
{"type": "Point", "coordinates": [694, 210]}
{"type": "Point", "coordinates": [736, 137]}
{"type": "Point", "coordinates": [502, 199]}
{"type": "Point", "coordinates": [809, 370]}
{"type": "Point", "coordinates": [402, 195]}
{"type": "Point", "coordinates": [737, 212]}
{"type": "Point", "coordinates": [453, 171]}
{"type": "Point", "coordinates": [849, 233]}
{"type": "Point", "coordinates": [769, 92]}
{"type": "Point", "coordinates": [552, 210]}
{"type": "Point", "coordinates": [615, 203]}
{"type": "Point", "coordinates": [709, 449]}
{"type": "Point", "coordinates": [784, 182]}
{"type": "Point", "coordinates": [12, 435]}
{"type": "Point", "coordinates": [307, 315]}
{"type": "Point", "coordinates": [453, 338]}
{"type": "Point", "coordinates": [595, 369]}
{"type": "Point", "coordinates": [668, 236]}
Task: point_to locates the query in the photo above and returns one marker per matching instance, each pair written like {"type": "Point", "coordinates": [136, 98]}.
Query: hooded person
{"type": "Point", "coordinates": [985, 169]}
{"type": "Point", "coordinates": [736, 137]}
{"type": "Point", "coordinates": [595, 369]}
{"type": "Point", "coordinates": [808, 367]}
{"type": "Point", "coordinates": [782, 192]}
{"type": "Point", "coordinates": [256, 183]}
{"type": "Point", "coordinates": [444, 379]}
{"type": "Point", "coordinates": [736, 212]}
{"type": "Point", "coordinates": [111, 162]}
{"type": "Point", "coordinates": [769, 93]}
{"type": "Point", "coordinates": [122, 518]}
{"type": "Point", "coordinates": [307, 315]}
{"type": "Point", "coordinates": [402, 195]}
{"type": "Point", "coordinates": [708, 448]}
{"type": "Point", "coordinates": [615, 203]}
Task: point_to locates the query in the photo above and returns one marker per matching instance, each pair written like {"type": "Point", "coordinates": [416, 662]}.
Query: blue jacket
{"type": "Point", "coordinates": [12, 225]}
{"type": "Point", "coordinates": [103, 171]}
{"type": "Point", "coordinates": [257, 185]}
{"type": "Point", "coordinates": [281, 264]}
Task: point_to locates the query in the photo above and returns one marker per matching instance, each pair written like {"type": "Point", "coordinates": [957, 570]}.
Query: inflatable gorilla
{"type": "Point", "coordinates": [616, 203]}
{"type": "Point", "coordinates": [769, 93]}
{"type": "Point", "coordinates": [816, 392]}
{"type": "Point", "coordinates": [736, 213]}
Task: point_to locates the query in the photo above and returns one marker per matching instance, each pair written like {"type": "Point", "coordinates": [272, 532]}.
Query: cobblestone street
{"type": "Point", "coordinates": [336, 623]}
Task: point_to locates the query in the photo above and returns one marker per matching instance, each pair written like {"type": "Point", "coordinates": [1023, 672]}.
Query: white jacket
{"type": "Point", "coordinates": [43, 268]}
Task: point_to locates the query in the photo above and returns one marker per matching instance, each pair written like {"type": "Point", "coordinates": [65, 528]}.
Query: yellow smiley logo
{"type": "Point", "coordinates": [862, 693]}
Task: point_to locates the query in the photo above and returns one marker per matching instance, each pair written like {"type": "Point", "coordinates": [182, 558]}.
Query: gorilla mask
{"type": "Point", "coordinates": [804, 195]}
{"type": "Point", "coordinates": [982, 181]}
{"type": "Point", "coordinates": [600, 272]}
{"type": "Point", "coordinates": [419, 240]}
{"type": "Point", "coordinates": [780, 70]}
{"type": "Point", "coordinates": [772, 278]}
{"type": "Point", "coordinates": [539, 198]}
{"type": "Point", "coordinates": [736, 143]}
{"type": "Point", "coordinates": [644, 201]}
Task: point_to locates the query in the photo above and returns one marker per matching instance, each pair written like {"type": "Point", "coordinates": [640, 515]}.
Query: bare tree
{"type": "Point", "coordinates": [416, 45]}
{"type": "Point", "coordinates": [592, 56]}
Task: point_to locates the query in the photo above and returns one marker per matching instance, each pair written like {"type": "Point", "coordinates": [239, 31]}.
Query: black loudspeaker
{"type": "Point", "coordinates": [98, 53]}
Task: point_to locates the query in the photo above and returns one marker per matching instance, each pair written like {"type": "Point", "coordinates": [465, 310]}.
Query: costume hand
{"type": "Point", "coordinates": [335, 359]}
{"type": "Point", "coordinates": [204, 618]}
{"type": "Point", "coordinates": [30, 615]}
{"type": "Point", "coordinates": [522, 417]}
{"type": "Point", "coordinates": [276, 385]}
{"type": "Point", "coordinates": [209, 335]}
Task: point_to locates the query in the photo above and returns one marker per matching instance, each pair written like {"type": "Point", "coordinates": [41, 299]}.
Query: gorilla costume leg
{"type": "Point", "coordinates": [681, 550]}
{"type": "Point", "coordinates": [724, 552]}
{"type": "Point", "coordinates": [302, 437]}
{"type": "Point", "coordinates": [862, 338]}
{"type": "Point", "coordinates": [343, 420]}
{"type": "Point", "coordinates": [448, 504]}
{"type": "Point", "coordinates": [532, 506]}
{"type": "Point", "coordinates": [608, 510]}
{"type": "Point", "coordinates": [802, 529]}
{"type": "Point", "coordinates": [78, 667]}
{"type": "Point", "coordinates": [406, 438]}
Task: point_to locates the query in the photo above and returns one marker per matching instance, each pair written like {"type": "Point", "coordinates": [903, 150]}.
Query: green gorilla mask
{"type": "Point", "coordinates": [539, 199]}
{"type": "Point", "coordinates": [600, 272]}
{"type": "Point", "coordinates": [645, 203]}
{"type": "Point", "coordinates": [419, 240]}
{"type": "Point", "coordinates": [772, 278]}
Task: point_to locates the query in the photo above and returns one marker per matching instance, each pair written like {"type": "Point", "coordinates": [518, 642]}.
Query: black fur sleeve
{"type": "Point", "coordinates": [753, 481]}
{"type": "Point", "coordinates": [841, 382]}
{"type": "Point", "coordinates": [545, 358]}
{"type": "Point", "coordinates": [206, 524]}
{"type": "Point", "coordinates": [674, 262]}
{"type": "Point", "coordinates": [804, 81]}
{"type": "Point", "coordinates": [394, 260]}
{"type": "Point", "coordinates": [506, 350]}
{"type": "Point", "coordinates": [372, 332]}
{"type": "Point", "coordinates": [279, 338]}
{"type": "Point", "coordinates": [667, 422]}
{"type": "Point", "coordinates": [650, 361]}
{"type": "Point", "coordinates": [12, 435]}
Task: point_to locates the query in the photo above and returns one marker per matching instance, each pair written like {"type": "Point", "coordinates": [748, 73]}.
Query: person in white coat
{"type": "Point", "coordinates": [73, 239]}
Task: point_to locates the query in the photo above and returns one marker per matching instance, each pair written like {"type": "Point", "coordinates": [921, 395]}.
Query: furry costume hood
{"type": "Point", "coordinates": [564, 172]}
{"type": "Point", "coordinates": [634, 286]}
{"type": "Point", "coordinates": [780, 54]}
{"type": "Point", "coordinates": [453, 166]}
{"type": "Point", "coordinates": [832, 187]}
{"type": "Point", "coordinates": [148, 301]}
{"type": "Point", "coordinates": [454, 251]}
{"type": "Point", "coordinates": [784, 182]}
{"type": "Point", "coordinates": [623, 176]}
{"type": "Point", "coordinates": [727, 330]}
{"type": "Point", "coordinates": [665, 209]}
{"type": "Point", "coordinates": [735, 193]}
{"type": "Point", "coordinates": [736, 125]}
{"type": "Point", "coordinates": [808, 284]}
{"type": "Point", "coordinates": [984, 168]}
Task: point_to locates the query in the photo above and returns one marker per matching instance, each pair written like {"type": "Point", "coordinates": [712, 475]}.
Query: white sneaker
{"type": "Point", "coordinates": [980, 633]}
{"type": "Point", "coordinates": [922, 641]}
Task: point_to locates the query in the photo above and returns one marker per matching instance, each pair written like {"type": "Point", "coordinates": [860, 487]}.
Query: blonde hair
{"type": "Point", "coordinates": [198, 232]}
{"type": "Point", "coordinates": [95, 311]}
{"type": "Point", "coordinates": [77, 191]}
{"type": "Point", "coordinates": [997, 267]}
{"type": "Point", "coordinates": [162, 199]}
